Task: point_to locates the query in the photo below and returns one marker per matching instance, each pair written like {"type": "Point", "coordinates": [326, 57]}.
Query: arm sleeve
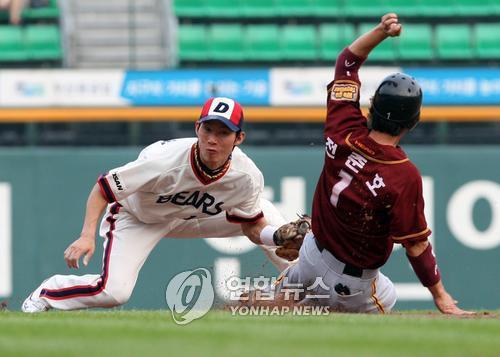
{"type": "Point", "coordinates": [343, 110]}
{"type": "Point", "coordinates": [138, 175]}
{"type": "Point", "coordinates": [249, 210]}
{"type": "Point", "coordinates": [121, 182]}
{"type": "Point", "coordinates": [408, 219]}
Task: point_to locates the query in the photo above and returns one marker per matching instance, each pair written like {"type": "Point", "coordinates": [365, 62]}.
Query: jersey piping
{"type": "Point", "coordinates": [361, 152]}
{"type": "Point", "coordinates": [411, 235]}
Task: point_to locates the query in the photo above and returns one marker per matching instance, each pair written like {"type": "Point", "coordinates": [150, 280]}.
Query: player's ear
{"type": "Point", "coordinates": [369, 120]}
{"type": "Point", "coordinates": [240, 137]}
{"type": "Point", "coordinates": [197, 125]}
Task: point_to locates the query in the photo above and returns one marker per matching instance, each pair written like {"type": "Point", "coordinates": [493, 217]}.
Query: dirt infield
{"type": "Point", "coordinates": [478, 315]}
{"type": "Point", "coordinates": [437, 314]}
{"type": "Point", "coordinates": [249, 299]}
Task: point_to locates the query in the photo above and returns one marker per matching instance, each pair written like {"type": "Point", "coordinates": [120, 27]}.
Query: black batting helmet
{"type": "Point", "coordinates": [397, 100]}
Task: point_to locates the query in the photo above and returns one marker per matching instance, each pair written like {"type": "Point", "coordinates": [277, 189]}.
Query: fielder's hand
{"type": "Point", "coordinates": [390, 25]}
{"type": "Point", "coordinates": [83, 245]}
{"type": "Point", "coordinates": [290, 236]}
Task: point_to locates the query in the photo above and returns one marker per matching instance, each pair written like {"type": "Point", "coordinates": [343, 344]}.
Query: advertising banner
{"type": "Point", "coordinates": [193, 87]}
{"type": "Point", "coordinates": [307, 86]}
{"type": "Point", "coordinates": [251, 87]}
{"type": "Point", "coordinates": [458, 86]}
{"type": "Point", "coordinates": [53, 88]}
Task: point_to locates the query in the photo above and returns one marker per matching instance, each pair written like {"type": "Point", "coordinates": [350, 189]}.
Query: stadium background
{"type": "Point", "coordinates": [85, 84]}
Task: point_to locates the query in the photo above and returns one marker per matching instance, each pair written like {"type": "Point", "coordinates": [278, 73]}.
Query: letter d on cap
{"type": "Point", "coordinates": [221, 108]}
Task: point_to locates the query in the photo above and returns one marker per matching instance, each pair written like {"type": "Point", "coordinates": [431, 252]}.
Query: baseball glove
{"type": "Point", "coordinates": [290, 236]}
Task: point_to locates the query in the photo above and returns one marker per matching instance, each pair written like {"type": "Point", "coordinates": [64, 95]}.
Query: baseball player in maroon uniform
{"type": "Point", "coordinates": [369, 194]}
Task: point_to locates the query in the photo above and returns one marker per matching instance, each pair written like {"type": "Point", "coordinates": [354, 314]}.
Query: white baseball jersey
{"type": "Point", "coordinates": [165, 182]}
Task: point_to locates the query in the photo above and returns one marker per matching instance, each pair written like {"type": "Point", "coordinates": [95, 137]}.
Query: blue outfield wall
{"type": "Point", "coordinates": [43, 194]}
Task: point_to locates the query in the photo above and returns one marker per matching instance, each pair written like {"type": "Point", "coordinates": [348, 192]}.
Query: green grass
{"type": "Point", "coordinates": [122, 333]}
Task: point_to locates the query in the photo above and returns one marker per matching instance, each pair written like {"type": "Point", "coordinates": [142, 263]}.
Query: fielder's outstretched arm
{"type": "Point", "coordinates": [85, 244]}
{"type": "Point", "coordinates": [388, 27]}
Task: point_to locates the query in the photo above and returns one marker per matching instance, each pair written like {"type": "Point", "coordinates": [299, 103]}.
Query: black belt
{"type": "Point", "coordinates": [348, 269]}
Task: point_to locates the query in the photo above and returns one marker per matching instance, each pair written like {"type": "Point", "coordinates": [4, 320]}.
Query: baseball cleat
{"type": "Point", "coordinates": [33, 305]}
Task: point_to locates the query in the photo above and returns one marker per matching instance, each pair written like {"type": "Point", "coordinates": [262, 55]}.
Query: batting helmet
{"type": "Point", "coordinates": [397, 100]}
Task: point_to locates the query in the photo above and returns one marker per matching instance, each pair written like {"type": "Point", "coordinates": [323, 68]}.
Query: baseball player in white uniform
{"type": "Point", "coordinates": [186, 188]}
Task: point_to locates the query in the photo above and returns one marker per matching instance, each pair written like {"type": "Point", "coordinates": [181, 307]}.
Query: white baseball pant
{"type": "Point", "coordinates": [128, 242]}
{"type": "Point", "coordinates": [318, 273]}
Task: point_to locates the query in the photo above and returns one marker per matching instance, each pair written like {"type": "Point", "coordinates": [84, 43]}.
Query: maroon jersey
{"type": "Point", "coordinates": [369, 195]}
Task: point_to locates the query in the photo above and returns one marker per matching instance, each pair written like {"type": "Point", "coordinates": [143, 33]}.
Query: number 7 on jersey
{"type": "Point", "coordinates": [345, 180]}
